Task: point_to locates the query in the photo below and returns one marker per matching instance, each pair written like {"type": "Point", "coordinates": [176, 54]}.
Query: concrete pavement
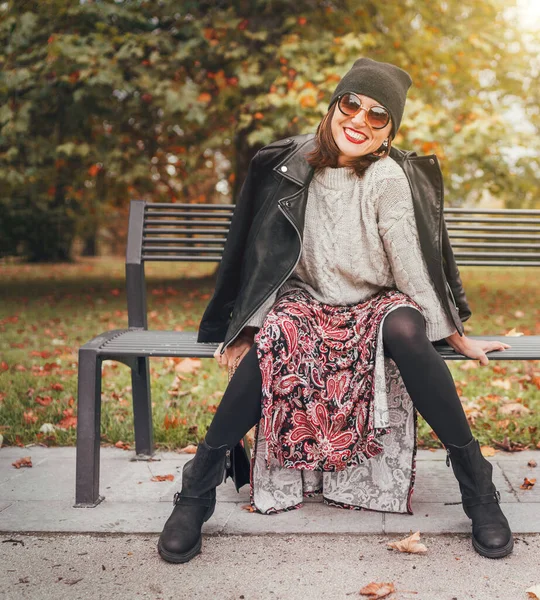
{"type": "Point", "coordinates": [41, 498]}
{"type": "Point", "coordinates": [48, 549]}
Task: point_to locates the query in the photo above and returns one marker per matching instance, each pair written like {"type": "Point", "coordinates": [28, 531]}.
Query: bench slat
{"type": "Point", "coordinates": [137, 342]}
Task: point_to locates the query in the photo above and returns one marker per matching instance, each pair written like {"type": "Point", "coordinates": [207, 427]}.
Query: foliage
{"type": "Point", "coordinates": [102, 102]}
{"type": "Point", "coordinates": [49, 311]}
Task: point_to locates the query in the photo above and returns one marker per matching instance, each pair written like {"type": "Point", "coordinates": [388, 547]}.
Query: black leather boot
{"type": "Point", "coordinates": [491, 535]}
{"type": "Point", "coordinates": [181, 537]}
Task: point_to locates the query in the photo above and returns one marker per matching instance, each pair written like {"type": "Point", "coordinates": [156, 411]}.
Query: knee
{"type": "Point", "coordinates": [404, 330]}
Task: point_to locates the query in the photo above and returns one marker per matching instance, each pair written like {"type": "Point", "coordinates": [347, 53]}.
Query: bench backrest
{"type": "Point", "coordinates": [197, 233]}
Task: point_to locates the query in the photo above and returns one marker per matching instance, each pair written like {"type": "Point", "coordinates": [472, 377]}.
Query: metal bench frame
{"type": "Point", "coordinates": [172, 232]}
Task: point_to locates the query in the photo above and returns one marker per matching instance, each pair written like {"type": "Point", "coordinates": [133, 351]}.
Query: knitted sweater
{"type": "Point", "coordinates": [360, 236]}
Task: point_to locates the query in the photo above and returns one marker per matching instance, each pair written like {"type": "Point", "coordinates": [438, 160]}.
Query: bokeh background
{"type": "Point", "coordinates": [107, 101]}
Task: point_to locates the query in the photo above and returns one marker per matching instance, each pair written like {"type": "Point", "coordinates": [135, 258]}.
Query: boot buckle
{"type": "Point", "coordinates": [176, 498]}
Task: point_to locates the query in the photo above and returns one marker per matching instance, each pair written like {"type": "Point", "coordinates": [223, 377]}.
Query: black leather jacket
{"type": "Point", "coordinates": [264, 243]}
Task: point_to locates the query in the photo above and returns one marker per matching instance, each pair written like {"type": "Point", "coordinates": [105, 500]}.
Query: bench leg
{"type": "Point", "coordinates": [88, 430]}
{"type": "Point", "coordinates": [142, 408]}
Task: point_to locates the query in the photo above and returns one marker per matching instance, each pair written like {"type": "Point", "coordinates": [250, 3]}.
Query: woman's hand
{"type": "Point", "coordinates": [236, 351]}
{"type": "Point", "coordinates": [475, 348]}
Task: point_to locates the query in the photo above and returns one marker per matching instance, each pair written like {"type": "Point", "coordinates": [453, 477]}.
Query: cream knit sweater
{"type": "Point", "coordinates": [360, 236]}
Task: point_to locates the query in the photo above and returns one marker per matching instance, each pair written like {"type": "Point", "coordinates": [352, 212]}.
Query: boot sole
{"type": "Point", "coordinates": [493, 552]}
{"type": "Point", "coordinates": [180, 558]}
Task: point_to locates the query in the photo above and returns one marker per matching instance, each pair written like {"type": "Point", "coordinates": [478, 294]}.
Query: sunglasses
{"type": "Point", "coordinates": [350, 104]}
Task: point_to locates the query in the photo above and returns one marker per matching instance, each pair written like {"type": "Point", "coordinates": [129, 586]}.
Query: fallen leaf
{"type": "Point", "coordinates": [513, 333]}
{"type": "Point", "coordinates": [409, 544]}
{"type": "Point", "coordinates": [509, 445]}
{"type": "Point", "coordinates": [44, 400]}
{"type": "Point", "coordinates": [29, 417]}
{"type": "Point", "coordinates": [22, 462]}
{"type": "Point", "coordinates": [188, 365]}
{"type": "Point", "coordinates": [531, 463]}
{"type": "Point", "coordinates": [487, 451]}
{"type": "Point", "coordinates": [247, 507]}
{"type": "Point", "coordinates": [377, 590]}
{"type": "Point", "coordinates": [534, 592]}
{"type": "Point", "coordinates": [470, 364]}
{"type": "Point", "coordinates": [501, 383]}
{"type": "Point", "coordinates": [514, 408]}
{"type": "Point", "coordinates": [162, 478]}
{"type": "Point", "coordinates": [528, 484]}
{"type": "Point", "coordinates": [122, 445]}
{"type": "Point", "coordinates": [190, 449]}
{"type": "Point", "coordinates": [170, 422]}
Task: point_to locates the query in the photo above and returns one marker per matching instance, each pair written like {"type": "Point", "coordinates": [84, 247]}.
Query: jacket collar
{"type": "Point", "coordinates": [295, 167]}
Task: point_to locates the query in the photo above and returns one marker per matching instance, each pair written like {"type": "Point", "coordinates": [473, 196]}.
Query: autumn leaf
{"type": "Point", "coordinates": [170, 422]}
{"type": "Point", "coordinates": [248, 508]}
{"type": "Point", "coordinates": [534, 592]}
{"type": "Point", "coordinates": [501, 383]}
{"type": "Point", "coordinates": [513, 333]}
{"type": "Point", "coordinates": [514, 408]}
{"type": "Point", "coordinates": [122, 445]}
{"type": "Point", "coordinates": [188, 365]}
{"type": "Point", "coordinates": [29, 417]}
{"type": "Point", "coordinates": [531, 463]}
{"type": "Point", "coordinates": [22, 462]}
{"type": "Point", "coordinates": [377, 590]}
{"type": "Point", "coordinates": [163, 478]}
{"type": "Point", "coordinates": [190, 449]}
{"type": "Point", "coordinates": [44, 400]}
{"type": "Point", "coordinates": [528, 484]}
{"type": "Point", "coordinates": [409, 544]}
{"type": "Point", "coordinates": [69, 421]}
{"type": "Point", "coordinates": [509, 445]}
{"type": "Point", "coordinates": [470, 364]}
{"type": "Point", "coordinates": [487, 451]}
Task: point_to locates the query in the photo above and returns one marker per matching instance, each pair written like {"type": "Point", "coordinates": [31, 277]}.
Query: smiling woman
{"type": "Point", "coordinates": [349, 265]}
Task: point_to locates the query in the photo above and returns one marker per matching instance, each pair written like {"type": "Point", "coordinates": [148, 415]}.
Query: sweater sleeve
{"type": "Point", "coordinates": [397, 228]}
{"type": "Point", "coordinates": [257, 319]}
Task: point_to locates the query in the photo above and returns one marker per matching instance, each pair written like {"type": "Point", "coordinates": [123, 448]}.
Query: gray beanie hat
{"type": "Point", "coordinates": [381, 81]}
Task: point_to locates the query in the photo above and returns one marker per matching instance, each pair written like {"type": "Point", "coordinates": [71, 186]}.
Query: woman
{"type": "Point", "coordinates": [337, 256]}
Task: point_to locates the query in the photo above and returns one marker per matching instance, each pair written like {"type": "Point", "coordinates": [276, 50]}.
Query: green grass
{"type": "Point", "coordinates": [47, 312]}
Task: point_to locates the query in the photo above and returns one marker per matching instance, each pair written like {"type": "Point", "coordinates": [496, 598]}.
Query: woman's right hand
{"type": "Point", "coordinates": [234, 353]}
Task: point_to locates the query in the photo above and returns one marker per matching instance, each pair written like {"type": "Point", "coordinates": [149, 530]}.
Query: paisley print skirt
{"type": "Point", "coordinates": [317, 363]}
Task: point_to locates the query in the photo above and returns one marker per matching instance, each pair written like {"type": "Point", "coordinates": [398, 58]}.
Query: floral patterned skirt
{"type": "Point", "coordinates": [317, 364]}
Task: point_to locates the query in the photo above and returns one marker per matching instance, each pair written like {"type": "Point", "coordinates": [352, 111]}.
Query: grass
{"type": "Point", "coordinates": [48, 311]}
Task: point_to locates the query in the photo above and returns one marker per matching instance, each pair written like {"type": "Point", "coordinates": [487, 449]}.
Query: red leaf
{"type": "Point", "coordinates": [163, 478]}
{"type": "Point", "coordinates": [22, 462]}
{"type": "Point", "coordinates": [44, 400]}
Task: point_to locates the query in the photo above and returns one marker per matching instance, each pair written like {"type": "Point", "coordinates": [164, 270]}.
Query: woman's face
{"type": "Point", "coordinates": [370, 139]}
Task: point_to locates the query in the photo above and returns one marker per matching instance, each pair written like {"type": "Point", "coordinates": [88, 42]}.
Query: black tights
{"type": "Point", "coordinates": [425, 375]}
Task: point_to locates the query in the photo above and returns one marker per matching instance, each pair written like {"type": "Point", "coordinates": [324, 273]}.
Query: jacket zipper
{"type": "Point", "coordinates": [273, 290]}
{"type": "Point", "coordinates": [452, 295]}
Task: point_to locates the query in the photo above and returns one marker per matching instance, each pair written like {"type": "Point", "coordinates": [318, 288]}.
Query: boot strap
{"type": "Point", "coordinates": [191, 500]}
{"type": "Point", "coordinates": [484, 499]}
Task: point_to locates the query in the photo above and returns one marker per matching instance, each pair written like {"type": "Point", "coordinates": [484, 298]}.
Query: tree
{"type": "Point", "coordinates": [107, 101]}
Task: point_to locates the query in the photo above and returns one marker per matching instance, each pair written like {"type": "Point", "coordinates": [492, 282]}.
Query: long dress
{"type": "Point", "coordinates": [336, 417]}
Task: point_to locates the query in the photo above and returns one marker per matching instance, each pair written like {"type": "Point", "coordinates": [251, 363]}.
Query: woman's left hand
{"type": "Point", "coordinates": [475, 348]}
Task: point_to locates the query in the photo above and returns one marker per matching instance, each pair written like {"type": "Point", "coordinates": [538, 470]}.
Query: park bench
{"type": "Point", "coordinates": [195, 232]}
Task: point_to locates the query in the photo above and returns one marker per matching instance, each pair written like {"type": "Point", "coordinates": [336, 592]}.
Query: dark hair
{"type": "Point", "coordinates": [326, 153]}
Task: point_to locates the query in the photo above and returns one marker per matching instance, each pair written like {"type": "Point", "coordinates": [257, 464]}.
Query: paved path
{"type": "Point", "coordinates": [41, 498]}
{"type": "Point", "coordinates": [48, 549]}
